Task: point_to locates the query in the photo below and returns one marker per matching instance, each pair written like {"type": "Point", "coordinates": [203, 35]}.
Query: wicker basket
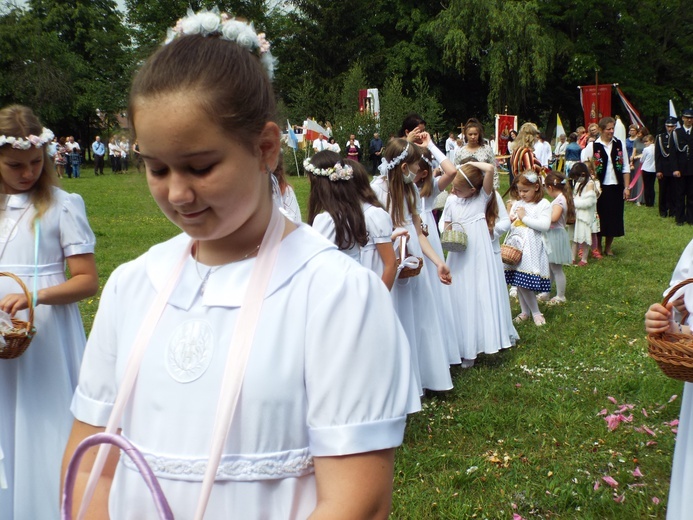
{"type": "Point", "coordinates": [673, 352]}
{"type": "Point", "coordinates": [407, 272]}
{"type": "Point", "coordinates": [18, 341]}
{"type": "Point", "coordinates": [454, 239]}
{"type": "Point", "coordinates": [511, 249]}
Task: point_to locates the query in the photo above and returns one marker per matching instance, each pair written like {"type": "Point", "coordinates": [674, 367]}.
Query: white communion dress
{"type": "Point", "coordinates": [36, 388]}
{"type": "Point", "coordinates": [329, 374]}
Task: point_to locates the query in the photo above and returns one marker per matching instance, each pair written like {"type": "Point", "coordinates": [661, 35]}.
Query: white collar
{"type": "Point", "coordinates": [226, 286]}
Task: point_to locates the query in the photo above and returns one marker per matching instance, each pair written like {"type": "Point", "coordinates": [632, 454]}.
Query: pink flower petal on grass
{"type": "Point", "coordinates": [655, 500]}
{"type": "Point", "coordinates": [673, 398]}
{"type": "Point", "coordinates": [644, 412]}
{"type": "Point", "coordinates": [517, 517]}
{"type": "Point", "coordinates": [613, 400]}
{"type": "Point", "coordinates": [651, 443]}
{"type": "Point", "coordinates": [648, 431]}
{"type": "Point", "coordinates": [612, 421]}
{"type": "Point", "coordinates": [619, 499]}
{"type": "Point", "coordinates": [637, 472]}
{"type": "Point", "coordinates": [674, 430]}
{"type": "Point", "coordinates": [610, 481]}
{"type": "Point", "coordinates": [597, 485]}
{"type": "Point", "coordinates": [675, 422]}
{"type": "Point", "coordinates": [603, 412]}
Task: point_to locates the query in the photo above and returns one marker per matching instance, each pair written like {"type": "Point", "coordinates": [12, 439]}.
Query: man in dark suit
{"type": "Point", "coordinates": [665, 164]}
{"type": "Point", "coordinates": [683, 142]}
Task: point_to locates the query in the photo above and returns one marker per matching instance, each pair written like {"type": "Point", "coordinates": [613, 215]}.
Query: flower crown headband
{"type": "Point", "coordinates": [429, 162]}
{"type": "Point", "coordinates": [386, 166]}
{"type": "Point", "coordinates": [24, 143]}
{"type": "Point", "coordinates": [338, 172]}
{"type": "Point", "coordinates": [531, 177]}
{"type": "Point", "coordinates": [212, 23]}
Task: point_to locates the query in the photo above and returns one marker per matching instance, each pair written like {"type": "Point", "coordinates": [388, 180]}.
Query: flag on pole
{"type": "Point", "coordinates": [672, 113]}
{"type": "Point", "coordinates": [559, 127]}
{"type": "Point", "coordinates": [312, 130]}
{"type": "Point", "coordinates": [632, 112]}
{"type": "Point", "coordinates": [292, 139]}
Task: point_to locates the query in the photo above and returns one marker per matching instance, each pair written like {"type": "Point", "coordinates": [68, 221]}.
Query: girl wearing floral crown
{"type": "Point", "coordinates": [270, 377]}
{"type": "Point", "coordinates": [413, 297]}
{"type": "Point", "coordinates": [430, 186]}
{"type": "Point", "coordinates": [41, 228]}
{"type": "Point", "coordinates": [357, 224]}
{"type": "Point", "coordinates": [531, 218]}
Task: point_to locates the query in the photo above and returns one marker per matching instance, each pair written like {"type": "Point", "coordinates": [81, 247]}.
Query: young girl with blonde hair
{"type": "Point", "coordinates": [479, 294]}
{"type": "Point", "coordinates": [42, 229]}
{"type": "Point", "coordinates": [531, 218]}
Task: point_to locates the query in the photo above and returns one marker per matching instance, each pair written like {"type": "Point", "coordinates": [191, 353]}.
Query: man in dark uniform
{"type": "Point", "coordinates": [683, 141]}
{"type": "Point", "coordinates": [665, 164]}
{"type": "Point", "coordinates": [375, 149]}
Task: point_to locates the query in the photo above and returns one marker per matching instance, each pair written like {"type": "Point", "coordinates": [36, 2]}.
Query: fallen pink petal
{"type": "Point", "coordinates": [619, 499]}
{"type": "Point", "coordinates": [644, 412]}
{"type": "Point", "coordinates": [655, 500]}
{"type": "Point", "coordinates": [517, 517]}
{"type": "Point", "coordinates": [610, 481]}
{"type": "Point", "coordinates": [637, 472]}
{"type": "Point", "coordinates": [613, 400]}
{"type": "Point", "coordinates": [648, 431]}
{"type": "Point", "coordinates": [597, 485]}
{"type": "Point", "coordinates": [603, 412]}
{"type": "Point", "coordinates": [651, 443]}
{"type": "Point", "coordinates": [673, 398]}
{"type": "Point", "coordinates": [674, 430]}
{"type": "Point", "coordinates": [612, 421]}
{"type": "Point", "coordinates": [675, 422]}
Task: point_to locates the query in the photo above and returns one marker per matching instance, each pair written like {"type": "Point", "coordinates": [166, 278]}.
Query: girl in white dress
{"type": "Point", "coordinates": [274, 374]}
{"type": "Point", "coordinates": [36, 388]}
{"type": "Point", "coordinates": [479, 295]}
{"type": "Point", "coordinates": [531, 218]}
{"type": "Point", "coordinates": [357, 225]}
{"type": "Point", "coordinates": [557, 237]}
{"type": "Point", "coordinates": [659, 319]}
{"type": "Point", "coordinates": [413, 297]}
{"type": "Point", "coordinates": [585, 201]}
{"type": "Point", "coordinates": [429, 188]}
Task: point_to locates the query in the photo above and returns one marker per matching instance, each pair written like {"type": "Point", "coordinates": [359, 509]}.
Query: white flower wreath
{"type": "Point", "coordinates": [24, 143]}
{"type": "Point", "coordinates": [338, 172]}
{"type": "Point", "coordinates": [207, 23]}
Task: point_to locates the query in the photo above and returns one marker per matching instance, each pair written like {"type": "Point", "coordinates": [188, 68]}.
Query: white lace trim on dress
{"type": "Point", "coordinates": [280, 465]}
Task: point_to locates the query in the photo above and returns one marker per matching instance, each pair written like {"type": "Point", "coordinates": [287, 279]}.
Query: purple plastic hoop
{"type": "Point", "coordinates": [126, 446]}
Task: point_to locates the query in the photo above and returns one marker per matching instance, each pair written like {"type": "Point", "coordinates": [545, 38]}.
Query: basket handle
{"type": "Point", "coordinates": [673, 291]}
{"type": "Point", "coordinates": [29, 298]}
{"type": "Point", "coordinates": [452, 224]}
{"type": "Point", "coordinates": [126, 446]}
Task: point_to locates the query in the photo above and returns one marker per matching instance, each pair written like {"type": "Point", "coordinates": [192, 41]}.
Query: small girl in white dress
{"type": "Point", "coordinates": [430, 187]}
{"type": "Point", "coordinates": [413, 297]}
{"type": "Point", "coordinates": [585, 201]}
{"type": "Point", "coordinates": [479, 295]}
{"type": "Point", "coordinates": [531, 218]}
{"type": "Point", "coordinates": [42, 228]}
{"type": "Point", "coordinates": [559, 254]}
{"type": "Point", "coordinates": [356, 224]}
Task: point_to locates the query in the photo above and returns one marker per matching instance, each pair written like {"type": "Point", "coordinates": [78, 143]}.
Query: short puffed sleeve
{"type": "Point", "coordinates": [358, 374]}
{"type": "Point", "coordinates": [76, 236]}
{"type": "Point", "coordinates": [97, 388]}
{"type": "Point", "coordinates": [323, 224]}
{"type": "Point", "coordinates": [378, 225]}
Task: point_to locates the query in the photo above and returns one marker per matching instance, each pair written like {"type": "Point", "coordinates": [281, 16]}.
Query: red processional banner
{"type": "Point", "coordinates": [596, 102]}
{"type": "Point", "coordinates": [504, 123]}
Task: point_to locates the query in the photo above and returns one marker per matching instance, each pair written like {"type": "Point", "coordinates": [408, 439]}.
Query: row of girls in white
{"type": "Point", "coordinates": [450, 314]}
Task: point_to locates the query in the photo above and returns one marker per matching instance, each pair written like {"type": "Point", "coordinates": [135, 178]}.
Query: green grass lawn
{"type": "Point", "coordinates": [521, 433]}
